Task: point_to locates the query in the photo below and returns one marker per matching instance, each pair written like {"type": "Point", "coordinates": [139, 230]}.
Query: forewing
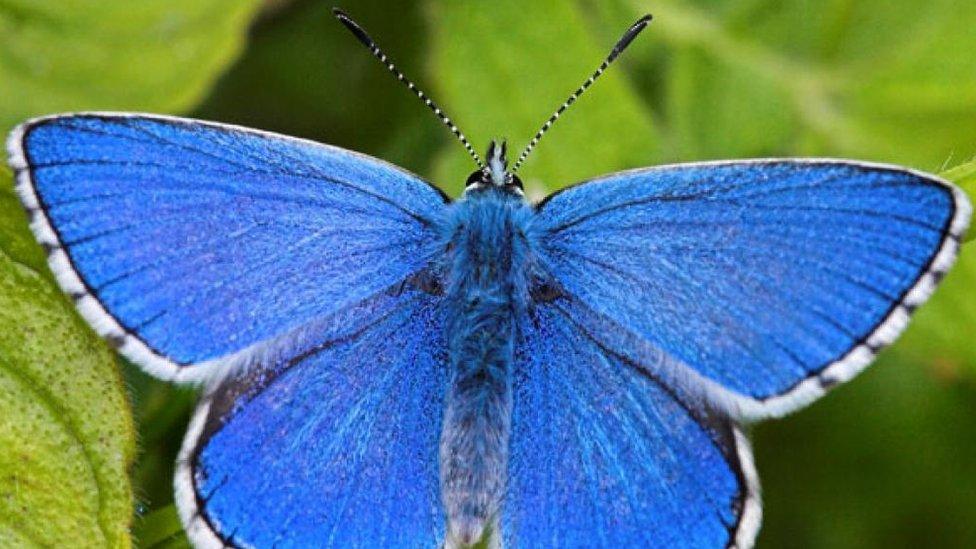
{"type": "Point", "coordinates": [770, 280]}
{"type": "Point", "coordinates": [603, 455]}
{"type": "Point", "coordinates": [335, 448]}
{"type": "Point", "coordinates": [183, 241]}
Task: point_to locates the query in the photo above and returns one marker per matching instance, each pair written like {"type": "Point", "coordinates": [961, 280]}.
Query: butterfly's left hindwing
{"type": "Point", "coordinates": [196, 247]}
{"type": "Point", "coordinates": [764, 283]}
{"type": "Point", "coordinates": [334, 448]}
{"type": "Point", "coordinates": [603, 455]}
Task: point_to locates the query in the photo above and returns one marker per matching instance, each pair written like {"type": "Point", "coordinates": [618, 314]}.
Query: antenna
{"type": "Point", "coordinates": [361, 35]}
{"type": "Point", "coordinates": [618, 48]}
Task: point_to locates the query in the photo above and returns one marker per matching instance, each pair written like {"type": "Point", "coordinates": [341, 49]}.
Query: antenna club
{"type": "Point", "coordinates": [632, 33]}
{"type": "Point", "coordinates": [354, 28]}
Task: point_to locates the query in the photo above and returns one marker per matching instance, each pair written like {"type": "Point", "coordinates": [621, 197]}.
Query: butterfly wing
{"type": "Point", "coordinates": [768, 281]}
{"type": "Point", "coordinates": [183, 241]}
{"type": "Point", "coordinates": [335, 448]}
{"type": "Point", "coordinates": [603, 455]}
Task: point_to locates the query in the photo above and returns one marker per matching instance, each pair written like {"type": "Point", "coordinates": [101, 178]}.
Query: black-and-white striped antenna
{"type": "Point", "coordinates": [618, 48]}
{"type": "Point", "coordinates": [361, 35]}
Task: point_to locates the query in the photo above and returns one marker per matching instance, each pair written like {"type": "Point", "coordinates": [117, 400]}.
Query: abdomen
{"type": "Point", "coordinates": [480, 333]}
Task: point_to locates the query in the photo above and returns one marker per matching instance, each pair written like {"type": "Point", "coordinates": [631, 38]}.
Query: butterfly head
{"type": "Point", "coordinates": [495, 174]}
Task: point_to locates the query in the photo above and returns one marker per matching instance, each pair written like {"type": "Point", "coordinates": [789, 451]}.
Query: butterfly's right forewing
{"type": "Point", "coordinates": [198, 247]}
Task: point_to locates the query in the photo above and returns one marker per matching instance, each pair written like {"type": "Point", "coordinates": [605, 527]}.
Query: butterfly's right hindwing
{"type": "Point", "coordinates": [334, 448]}
{"type": "Point", "coordinates": [603, 455]}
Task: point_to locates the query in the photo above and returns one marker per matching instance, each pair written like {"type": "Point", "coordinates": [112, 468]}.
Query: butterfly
{"type": "Point", "coordinates": [384, 366]}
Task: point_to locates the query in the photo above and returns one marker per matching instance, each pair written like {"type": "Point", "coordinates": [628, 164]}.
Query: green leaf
{"type": "Point", "coordinates": [161, 528]}
{"type": "Point", "coordinates": [153, 55]}
{"type": "Point", "coordinates": [889, 81]}
{"type": "Point", "coordinates": [506, 66]}
{"type": "Point", "coordinates": [66, 434]}
{"type": "Point", "coordinates": [16, 240]}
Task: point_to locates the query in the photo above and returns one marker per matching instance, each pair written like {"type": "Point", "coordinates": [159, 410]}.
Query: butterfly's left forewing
{"type": "Point", "coordinates": [333, 448]}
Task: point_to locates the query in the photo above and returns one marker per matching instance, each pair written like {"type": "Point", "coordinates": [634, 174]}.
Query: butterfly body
{"type": "Point", "coordinates": [487, 259]}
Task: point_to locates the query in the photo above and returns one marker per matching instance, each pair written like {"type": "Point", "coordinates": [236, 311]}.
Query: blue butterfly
{"type": "Point", "coordinates": [383, 366]}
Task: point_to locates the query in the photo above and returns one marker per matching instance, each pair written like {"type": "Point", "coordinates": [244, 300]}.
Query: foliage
{"type": "Point", "coordinates": [886, 460]}
{"type": "Point", "coordinates": [157, 55]}
{"type": "Point", "coordinates": [852, 79]}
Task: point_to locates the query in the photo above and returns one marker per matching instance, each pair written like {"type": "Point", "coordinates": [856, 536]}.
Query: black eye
{"type": "Point", "coordinates": [475, 178]}
{"type": "Point", "coordinates": [516, 182]}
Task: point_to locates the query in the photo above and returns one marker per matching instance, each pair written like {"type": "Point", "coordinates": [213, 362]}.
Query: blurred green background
{"type": "Point", "coordinates": [888, 460]}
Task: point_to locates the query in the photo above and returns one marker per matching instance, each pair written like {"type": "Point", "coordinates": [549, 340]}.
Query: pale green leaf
{"type": "Point", "coordinates": [65, 430]}
{"type": "Point", "coordinates": [964, 175]}
{"type": "Point", "coordinates": [16, 240]}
